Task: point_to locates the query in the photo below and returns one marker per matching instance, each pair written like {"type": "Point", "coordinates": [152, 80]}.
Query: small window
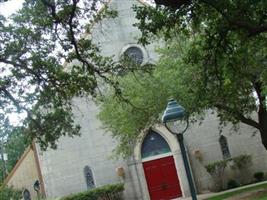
{"type": "Point", "coordinates": [26, 195]}
{"type": "Point", "coordinates": [88, 174]}
{"type": "Point", "coordinates": [135, 54]}
{"type": "Point", "coordinates": [224, 147]}
{"type": "Point", "coordinates": [154, 144]}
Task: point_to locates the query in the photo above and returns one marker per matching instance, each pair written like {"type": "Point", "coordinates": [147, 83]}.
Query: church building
{"type": "Point", "coordinates": [156, 169]}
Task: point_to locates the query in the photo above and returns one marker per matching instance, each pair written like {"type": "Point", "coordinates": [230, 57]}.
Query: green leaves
{"type": "Point", "coordinates": [214, 58]}
{"type": "Point", "coordinates": [112, 192]}
{"type": "Point", "coordinates": [35, 80]}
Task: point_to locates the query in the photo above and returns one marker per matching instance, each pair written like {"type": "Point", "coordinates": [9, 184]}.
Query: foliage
{"type": "Point", "coordinates": [13, 142]}
{"type": "Point", "coordinates": [10, 193]}
{"type": "Point", "coordinates": [15, 146]}
{"type": "Point", "coordinates": [107, 192]}
{"type": "Point", "coordinates": [259, 176]}
{"type": "Point", "coordinates": [241, 162]}
{"type": "Point", "coordinates": [224, 61]}
{"type": "Point", "coordinates": [216, 167]}
{"type": "Point", "coordinates": [216, 170]}
{"type": "Point", "coordinates": [232, 184]}
{"type": "Point", "coordinates": [187, 72]}
{"type": "Point", "coordinates": [144, 96]}
{"type": "Point", "coordinates": [35, 43]}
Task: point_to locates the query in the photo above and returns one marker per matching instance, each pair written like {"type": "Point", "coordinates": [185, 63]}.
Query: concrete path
{"type": "Point", "coordinates": [208, 195]}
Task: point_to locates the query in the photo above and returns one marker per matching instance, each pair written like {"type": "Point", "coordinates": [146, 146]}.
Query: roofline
{"type": "Point", "coordinates": [9, 176]}
{"type": "Point", "coordinates": [143, 2]}
{"type": "Point", "coordinates": [23, 156]}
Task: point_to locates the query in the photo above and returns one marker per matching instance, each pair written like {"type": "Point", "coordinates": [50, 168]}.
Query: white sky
{"type": "Point", "coordinates": [10, 7]}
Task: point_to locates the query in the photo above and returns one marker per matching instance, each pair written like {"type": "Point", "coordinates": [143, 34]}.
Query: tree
{"type": "Point", "coordinates": [180, 74]}
{"type": "Point", "coordinates": [4, 132]}
{"type": "Point", "coordinates": [15, 145]}
{"type": "Point", "coordinates": [225, 58]}
{"type": "Point", "coordinates": [144, 98]}
{"type": "Point", "coordinates": [34, 45]}
{"type": "Point", "coordinates": [13, 142]}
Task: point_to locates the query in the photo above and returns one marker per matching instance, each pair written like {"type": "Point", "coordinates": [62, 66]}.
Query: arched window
{"type": "Point", "coordinates": [224, 147]}
{"type": "Point", "coordinates": [135, 54]}
{"type": "Point", "coordinates": [26, 195]}
{"type": "Point", "coordinates": [88, 174]}
{"type": "Point", "coordinates": [154, 144]}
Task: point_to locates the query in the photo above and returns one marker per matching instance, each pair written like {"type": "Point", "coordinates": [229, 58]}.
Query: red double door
{"type": "Point", "coordinates": [162, 179]}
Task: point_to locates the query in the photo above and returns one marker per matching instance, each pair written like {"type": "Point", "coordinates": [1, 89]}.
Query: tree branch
{"type": "Point", "coordinates": [238, 115]}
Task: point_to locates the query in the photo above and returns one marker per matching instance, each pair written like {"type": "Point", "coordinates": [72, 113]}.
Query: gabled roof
{"type": "Point", "coordinates": [22, 157]}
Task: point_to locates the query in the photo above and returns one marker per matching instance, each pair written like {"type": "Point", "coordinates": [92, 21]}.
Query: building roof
{"type": "Point", "coordinates": [23, 156]}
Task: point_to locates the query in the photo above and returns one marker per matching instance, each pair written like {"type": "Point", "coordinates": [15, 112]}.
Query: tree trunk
{"type": "Point", "coordinates": [263, 126]}
{"type": "Point", "coordinates": [262, 112]}
{"type": "Point", "coordinates": [172, 3]}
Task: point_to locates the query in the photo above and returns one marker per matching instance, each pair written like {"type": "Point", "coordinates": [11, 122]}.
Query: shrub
{"type": "Point", "coordinates": [259, 176]}
{"type": "Point", "coordinates": [216, 170]}
{"type": "Point", "coordinates": [10, 193]}
{"type": "Point", "coordinates": [107, 192]}
{"type": "Point", "coordinates": [242, 162]}
{"type": "Point", "coordinates": [232, 184]}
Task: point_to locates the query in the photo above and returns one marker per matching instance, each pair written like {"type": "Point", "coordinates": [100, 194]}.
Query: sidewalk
{"type": "Point", "coordinates": [199, 197]}
{"type": "Point", "coordinates": [205, 196]}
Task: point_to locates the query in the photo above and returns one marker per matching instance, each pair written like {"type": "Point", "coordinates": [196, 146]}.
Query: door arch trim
{"type": "Point", "coordinates": [157, 157]}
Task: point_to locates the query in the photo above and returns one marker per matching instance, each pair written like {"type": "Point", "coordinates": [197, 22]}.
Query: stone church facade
{"type": "Point", "coordinates": [155, 170]}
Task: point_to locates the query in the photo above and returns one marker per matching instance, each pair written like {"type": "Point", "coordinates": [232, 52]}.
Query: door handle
{"type": "Point", "coordinates": [163, 186]}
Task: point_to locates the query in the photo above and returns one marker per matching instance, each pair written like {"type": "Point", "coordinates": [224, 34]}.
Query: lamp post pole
{"type": "Point", "coordinates": [173, 113]}
{"type": "Point", "coordinates": [180, 139]}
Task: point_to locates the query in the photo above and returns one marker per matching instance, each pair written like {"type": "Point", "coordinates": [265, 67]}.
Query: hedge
{"type": "Point", "coordinates": [107, 192]}
{"type": "Point", "coordinates": [9, 193]}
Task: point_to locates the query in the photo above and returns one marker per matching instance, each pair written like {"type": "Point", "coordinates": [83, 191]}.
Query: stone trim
{"type": "Point", "coordinates": [37, 162]}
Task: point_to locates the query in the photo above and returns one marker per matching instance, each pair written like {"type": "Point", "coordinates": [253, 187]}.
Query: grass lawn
{"type": "Point", "coordinates": [262, 198]}
{"type": "Point", "coordinates": [242, 190]}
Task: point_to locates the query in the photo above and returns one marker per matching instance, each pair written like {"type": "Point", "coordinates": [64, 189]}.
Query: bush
{"type": "Point", "coordinates": [216, 170]}
{"type": "Point", "coordinates": [259, 176]}
{"type": "Point", "coordinates": [242, 166]}
{"type": "Point", "coordinates": [242, 162]}
{"type": "Point", "coordinates": [232, 184]}
{"type": "Point", "coordinates": [107, 192]}
{"type": "Point", "coordinates": [10, 193]}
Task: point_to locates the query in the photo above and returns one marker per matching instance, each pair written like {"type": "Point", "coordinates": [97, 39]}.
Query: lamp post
{"type": "Point", "coordinates": [176, 113]}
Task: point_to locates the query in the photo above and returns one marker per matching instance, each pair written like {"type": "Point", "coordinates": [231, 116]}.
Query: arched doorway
{"type": "Point", "coordinates": [159, 168]}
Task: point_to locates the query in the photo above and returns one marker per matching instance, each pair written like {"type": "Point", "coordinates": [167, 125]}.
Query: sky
{"type": "Point", "coordinates": [6, 9]}
{"type": "Point", "coordinates": [10, 7]}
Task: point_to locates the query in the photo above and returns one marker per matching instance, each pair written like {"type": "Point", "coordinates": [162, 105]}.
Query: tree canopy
{"type": "Point", "coordinates": [36, 42]}
{"type": "Point", "coordinates": [215, 58]}
{"type": "Point", "coordinates": [13, 143]}
{"type": "Point", "coordinates": [221, 64]}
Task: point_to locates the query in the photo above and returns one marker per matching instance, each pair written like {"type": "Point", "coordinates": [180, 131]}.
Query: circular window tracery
{"type": "Point", "coordinates": [135, 54]}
